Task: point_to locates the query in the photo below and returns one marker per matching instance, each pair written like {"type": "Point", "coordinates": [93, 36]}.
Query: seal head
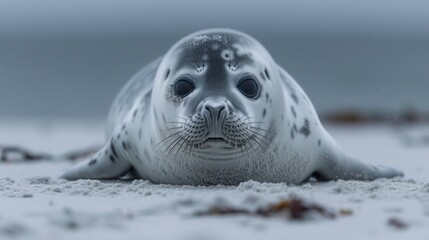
{"type": "Point", "coordinates": [214, 83]}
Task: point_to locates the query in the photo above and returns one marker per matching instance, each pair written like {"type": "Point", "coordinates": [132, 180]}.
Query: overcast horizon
{"type": "Point", "coordinates": [69, 59]}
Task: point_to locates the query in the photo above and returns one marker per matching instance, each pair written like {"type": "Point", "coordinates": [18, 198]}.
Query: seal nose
{"type": "Point", "coordinates": [215, 112]}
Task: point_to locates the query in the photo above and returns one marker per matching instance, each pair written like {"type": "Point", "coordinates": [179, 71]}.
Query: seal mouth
{"type": "Point", "coordinates": [216, 139]}
{"type": "Point", "coordinates": [222, 142]}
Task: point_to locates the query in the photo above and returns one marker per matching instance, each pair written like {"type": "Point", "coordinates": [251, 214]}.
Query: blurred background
{"type": "Point", "coordinates": [68, 59]}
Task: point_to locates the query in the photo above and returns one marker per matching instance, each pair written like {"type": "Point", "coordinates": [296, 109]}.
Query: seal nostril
{"type": "Point", "coordinates": [209, 110]}
{"type": "Point", "coordinates": [220, 110]}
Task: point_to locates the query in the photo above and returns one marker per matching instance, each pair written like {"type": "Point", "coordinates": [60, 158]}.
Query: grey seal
{"type": "Point", "coordinates": [217, 109]}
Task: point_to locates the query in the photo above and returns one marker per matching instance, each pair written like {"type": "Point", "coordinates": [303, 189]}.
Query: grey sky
{"type": "Point", "coordinates": [381, 17]}
{"type": "Point", "coordinates": [69, 58]}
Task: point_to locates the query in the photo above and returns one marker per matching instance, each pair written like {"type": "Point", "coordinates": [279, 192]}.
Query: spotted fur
{"type": "Point", "coordinates": [216, 134]}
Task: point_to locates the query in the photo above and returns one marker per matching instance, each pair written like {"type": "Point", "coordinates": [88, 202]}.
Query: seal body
{"type": "Point", "coordinates": [217, 109]}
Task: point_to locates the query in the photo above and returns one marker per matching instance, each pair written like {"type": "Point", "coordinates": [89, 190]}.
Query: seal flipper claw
{"type": "Point", "coordinates": [105, 164]}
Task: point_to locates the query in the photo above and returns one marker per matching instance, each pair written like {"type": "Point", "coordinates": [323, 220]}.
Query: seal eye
{"type": "Point", "coordinates": [183, 87]}
{"type": "Point", "coordinates": [248, 87]}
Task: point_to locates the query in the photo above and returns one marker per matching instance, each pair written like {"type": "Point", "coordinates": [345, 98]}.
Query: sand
{"type": "Point", "coordinates": [36, 204]}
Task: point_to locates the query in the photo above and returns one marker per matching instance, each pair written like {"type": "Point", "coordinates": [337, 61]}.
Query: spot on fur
{"type": "Point", "coordinates": [92, 162]}
{"type": "Point", "coordinates": [112, 147]}
{"type": "Point", "coordinates": [167, 74]}
{"type": "Point", "coordinates": [292, 109]}
{"type": "Point", "coordinates": [294, 97]}
{"type": "Point", "coordinates": [263, 76]}
{"type": "Point", "coordinates": [293, 130]}
{"type": "Point", "coordinates": [135, 114]}
{"type": "Point", "coordinates": [266, 73]}
{"type": "Point", "coordinates": [305, 129]}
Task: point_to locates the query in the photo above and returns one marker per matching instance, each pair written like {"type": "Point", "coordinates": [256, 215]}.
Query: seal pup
{"type": "Point", "coordinates": [217, 109]}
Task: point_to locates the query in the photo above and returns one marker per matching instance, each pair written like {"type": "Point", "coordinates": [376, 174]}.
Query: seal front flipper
{"type": "Point", "coordinates": [341, 166]}
{"type": "Point", "coordinates": [105, 164]}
